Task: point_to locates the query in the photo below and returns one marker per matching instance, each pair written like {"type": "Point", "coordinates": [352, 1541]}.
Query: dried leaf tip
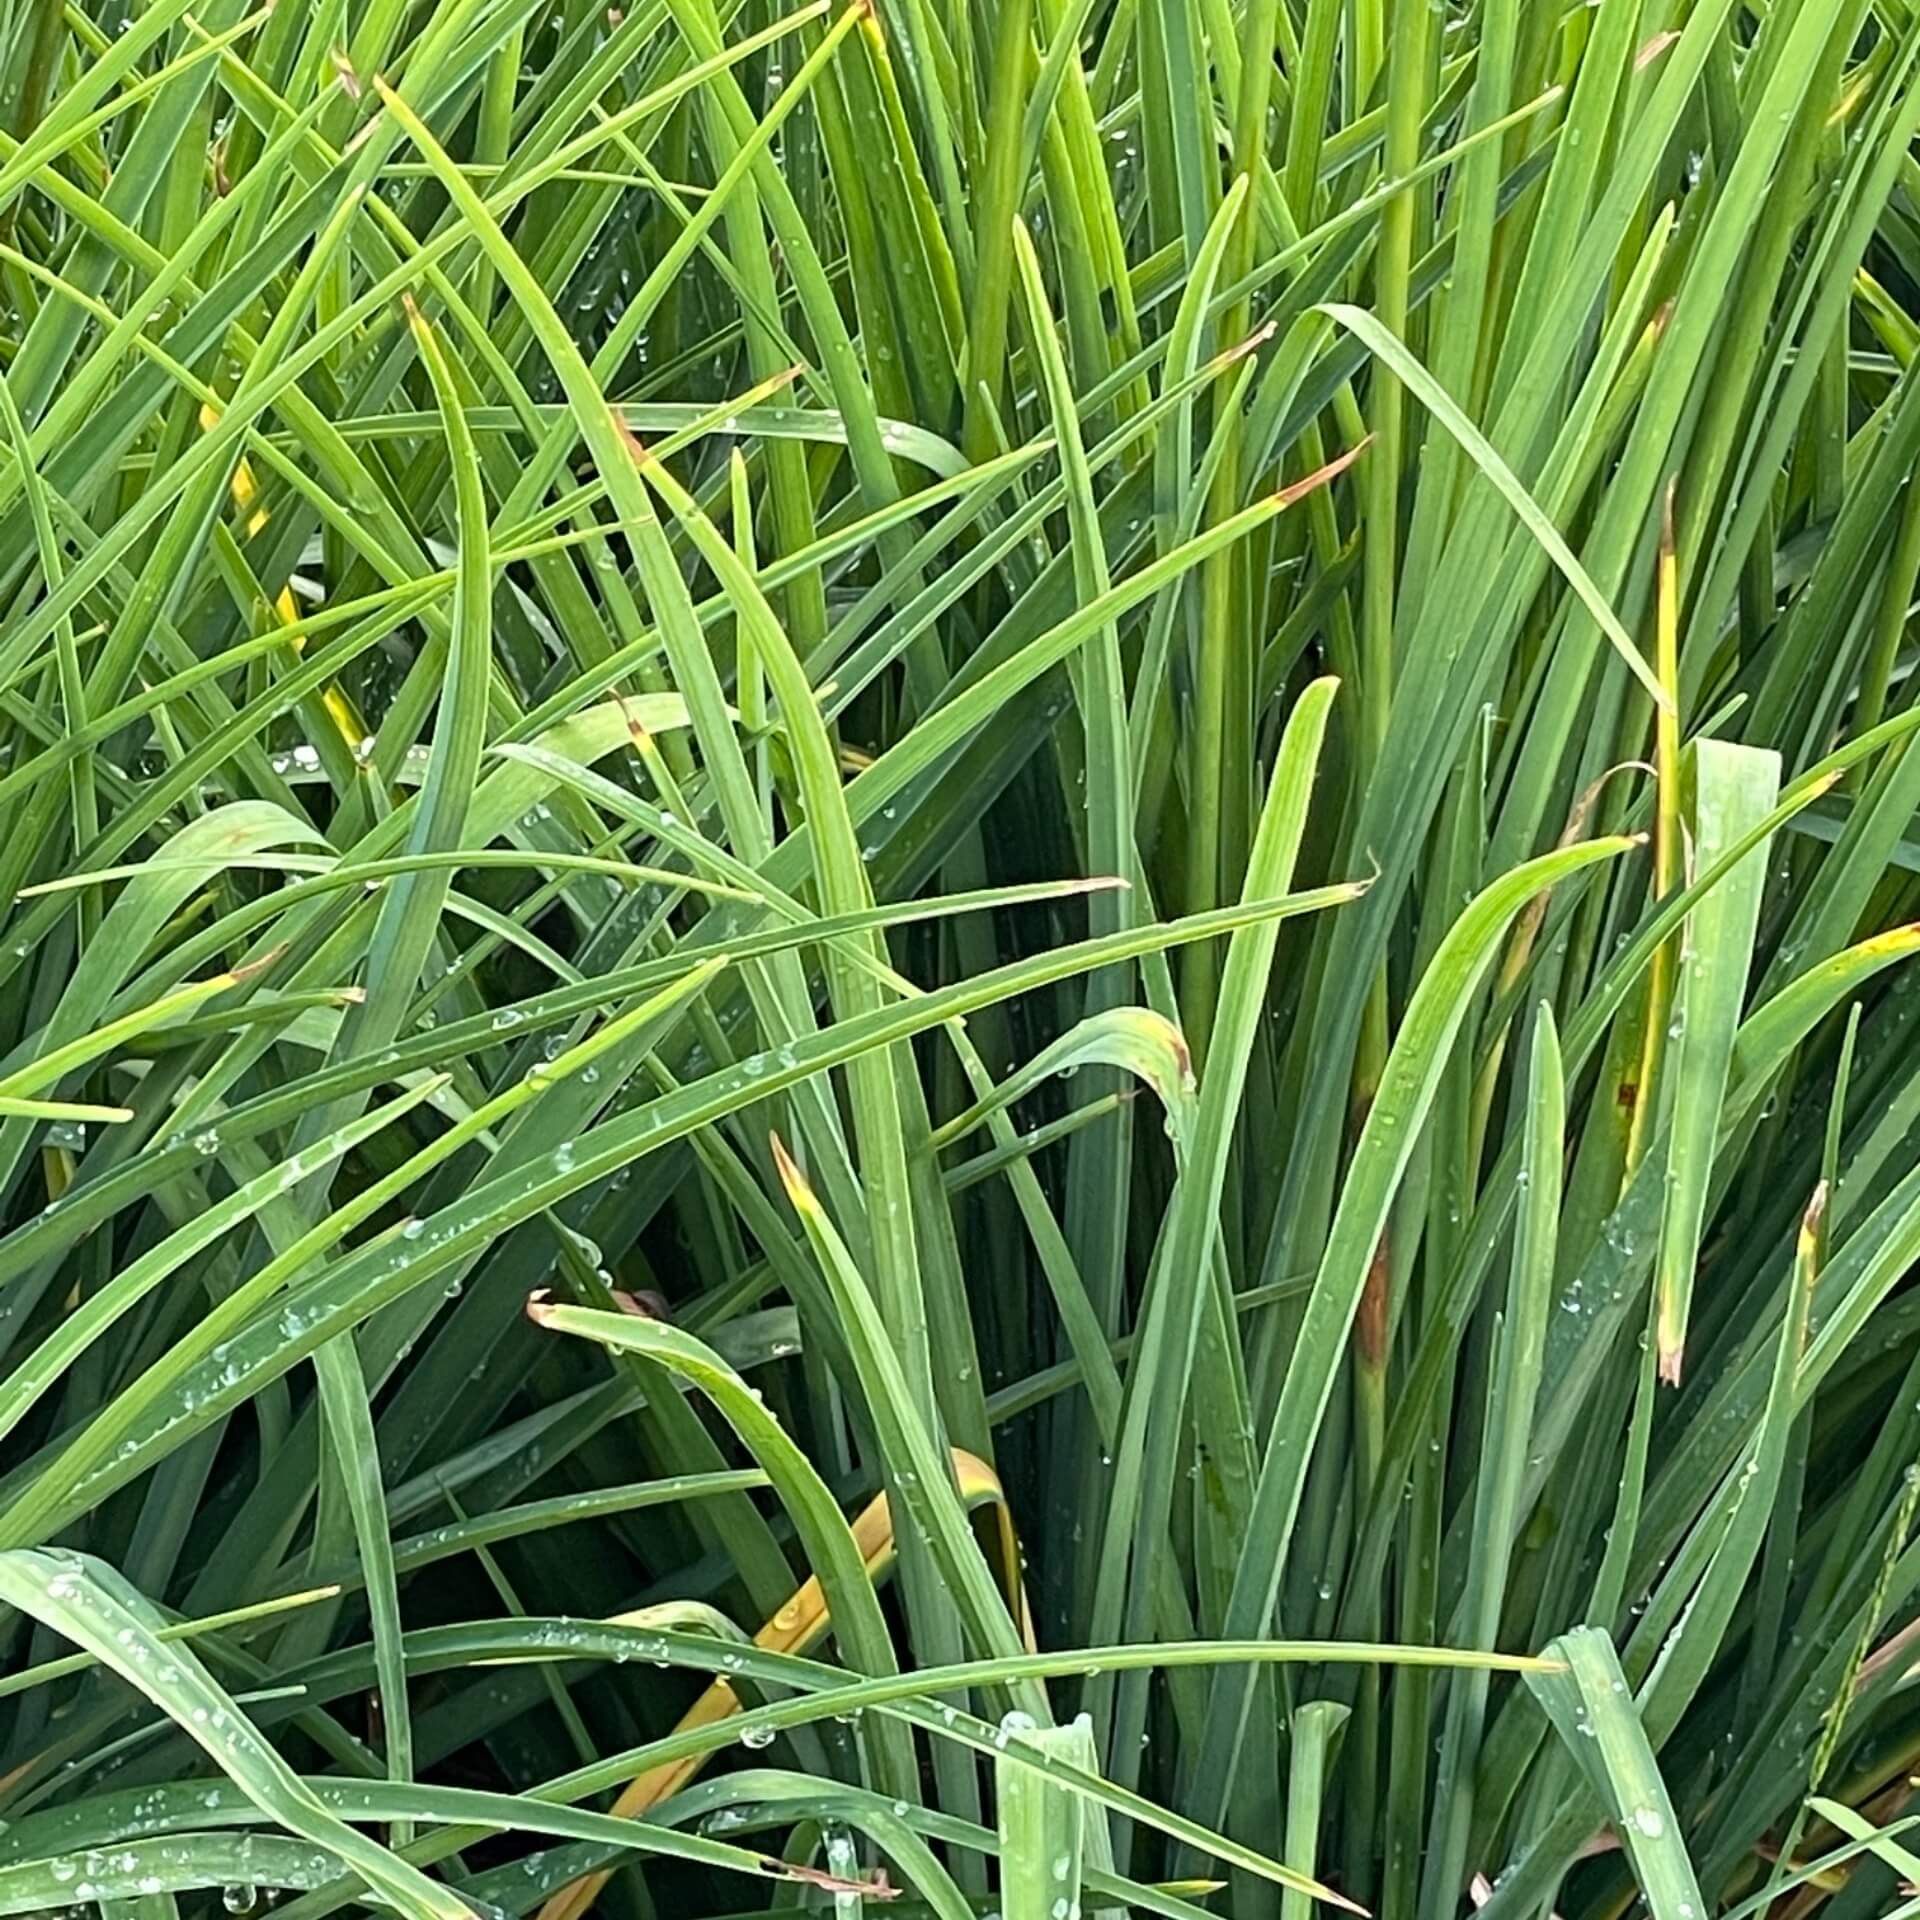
{"type": "Point", "coordinates": [1322, 475]}
{"type": "Point", "coordinates": [1254, 341]}
{"type": "Point", "coordinates": [1654, 49]}
{"type": "Point", "coordinates": [1810, 1221]}
{"type": "Point", "coordinates": [642, 455]}
{"type": "Point", "coordinates": [343, 67]}
{"type": "Point", "coordinates": [540, 1306]}
{"type": "Point", "coordinates": [248, 968]}
{"type": "Point", "coordinates": [878, 1888]}
{"type": "Point", "coordinates": [637, 730]}
{"type": "Point", "coordinates": [643, 1305]}
{"type": "Point", "coordinates": [795, 1182]}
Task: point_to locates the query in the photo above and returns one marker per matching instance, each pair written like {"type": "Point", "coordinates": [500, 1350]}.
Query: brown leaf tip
{"type": "Point", "coordinates": [634, 444]}
{"type": "Point", "coordinates": [878, 1888]}
{"type": "Point", "coordinates": [1810, 1222]}
{"type": "Point", "coordinates": [644, 1304]}
{"type": "Point", "coordinates": [636, 727]}
{"type": "Point", "coordinates": [1322, 475]}
{"type": "Point", "coordinates": [248, 968]}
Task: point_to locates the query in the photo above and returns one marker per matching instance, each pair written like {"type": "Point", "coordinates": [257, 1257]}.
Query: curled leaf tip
{"type": "Point", "coordinates": [539, 1306]}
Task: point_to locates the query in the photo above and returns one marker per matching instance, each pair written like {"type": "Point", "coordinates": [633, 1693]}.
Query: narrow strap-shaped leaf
{"type": "Point", "coordinates": [823, 1530]}
{"type": "Point", "coordinates": [1387, 1141]}
{"type": "Point", "coordinates": [1735, 788]}
{"type": "Point", "coordinates": [1042, 1828]}
{"type": "Point", "coordinates": [1594, 1714]}
{"type": "Point", "coordinates": [92, 1606]}
{"type": "Point", "coordinates": [1393, 351]}
{"type": "Point", "coordinates": [1519, 1341]}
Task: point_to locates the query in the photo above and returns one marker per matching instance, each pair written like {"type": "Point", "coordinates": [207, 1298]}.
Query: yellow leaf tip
{"type": "Point", "coordinates": [1809, 1237]}
{"type": "Point", "coordinates": [795, 1182]}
